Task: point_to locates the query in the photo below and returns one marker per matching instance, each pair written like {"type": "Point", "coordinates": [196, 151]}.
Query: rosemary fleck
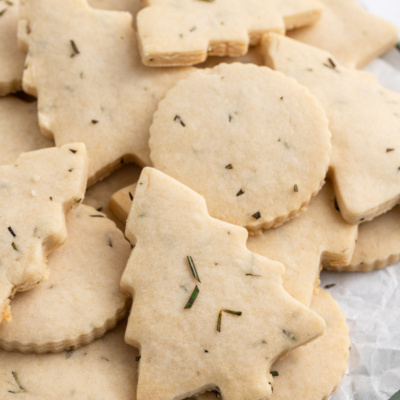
{"type": "Point", "coordinates": [17, 381]}
{"type": "Point", "coordinates": [389, 150]}
{"type": "Point", "coordinates": [131, 196]}
{"type": "Point", "coordinates": [193, 297]}
{"type": "Point", "coordinates": [239, 193]}
{"type": "Point", "coordinates": [14, 246]}
{"type": "Point", "coordinates": [254, 275]}
{"type": "Point", "coordinates": [138, 358]}
{"type": "Point", "coordinates": [331, 285]}
{"type": "Point", "coordinates": [73, 151]}
{"type": "Point", "coordinates": [97, 216]}
{"type": "Point", "coordinates": [74, 48]}
{"type": "Point", "coordinates": [3, 11]}
{"type": "Point", "coordinates": [295, 188]}
{"type": "Point", "coordinates": [94, 121]}
{"type": "Point", "coordinates": [257, 215]}
{"type": "Point", "coordinates": [193, 268]}
{"type": "Point", "coordinates": [229, 166]}
{"type": "Point", "coordinates": [330, 64]}
{"type": "Point", "coordinates": [219, 321]}
{"type": "Point", "coordinates": [68, 354]}
{"type": "Point", "coordinates": [289, 335]}
{"type": "Point", "coordinates": [179, 119]}
{"type": "Point", "coordinates": [11, 231]}
{"type": "Point", "coordinates": [274, 373]}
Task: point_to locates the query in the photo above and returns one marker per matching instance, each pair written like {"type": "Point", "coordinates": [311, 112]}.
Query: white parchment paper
{"type": "Point", "coordinates": [371, 301]}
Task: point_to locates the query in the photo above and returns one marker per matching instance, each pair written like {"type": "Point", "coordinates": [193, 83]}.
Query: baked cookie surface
{"type": "Point", "coordinates": [236, 325]}
{"type": "Point", "coordinates": [255, 144]}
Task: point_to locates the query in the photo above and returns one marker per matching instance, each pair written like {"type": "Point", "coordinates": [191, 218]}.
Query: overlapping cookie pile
{"type": "Point", "coordinates": [234, 180]}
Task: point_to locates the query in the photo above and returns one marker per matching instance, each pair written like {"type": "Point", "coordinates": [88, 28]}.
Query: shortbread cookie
{"type": "Point", "coordinates": [313, 371]}
{"type": "Point", "coordinates": [93, 91]}
{"type": "Point", "coordinates": [184, 32]}
{"type": "Point", "coordinates": [12, 59]}
{"type": "Point", "coordinates": [378, 244]}
{"type": "Point", "coordinates": [106, 370]}
{"type": "Point", "coordinates": [19, 129]}
{"type": "Point", "coordinates": [319, 234]}
{"type": "Point", "coordinates": [207, 312]}
{"type": "Point", "coordinates": [254, 143]}
{"type": "Point", "coordinates": [364, 119]}
{"type": "Point", "coordinates": [121, 202]}
{"type": "Point", "coordinates": [350, 33]}
{"type": "Point", "coordinates": [35, 193]}
{"type": "Point", "coordinates": [81, 300]}
{"type": "Point", "coordinates": [99, 195]}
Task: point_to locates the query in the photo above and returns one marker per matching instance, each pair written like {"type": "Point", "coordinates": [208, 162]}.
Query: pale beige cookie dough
{"type": "Point", "coordinates": [121, 202]}
{"type": "Point", "coordinates": [85, 69]}
{"type": "Point", "coordinates": [81, 300]}
{"type": "Point", "coordinates": [35, 194]}
{"type": "Point", "coordinates": [254, 143]}
{"type": "Point", "coordinates": [19, 129]}
{"type": "Point", "coordinates": [317, 235]}
{"type": "Point", "coordinates": [313, 371]}
{"type": "Point", "coordinates": [12, 59]}
{"type": "Point", "coordinates": [364, 119]}
{"type": "Point", "coordinates": [106, 369]}
{"type": "Point", "coordinates": [350, 33]}
{"type": "Point", "coordinates": [378, 244]}
{"type": "Point", "coordinates": [184, 32]}
{"type": "Point", "coordinates": [99, 195]}
{"type": "Point", "coordinates": [241, 321]}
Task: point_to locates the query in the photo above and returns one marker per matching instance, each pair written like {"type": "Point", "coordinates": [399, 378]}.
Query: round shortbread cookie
{"type": "Point", "coordinates": [81, 300]}
{"type": "Point", "coordinates": [313, 371]}
{"type": "Point", "coordinates": [105, 369]}
{"type": "Point", "coordinates": [254, 143]}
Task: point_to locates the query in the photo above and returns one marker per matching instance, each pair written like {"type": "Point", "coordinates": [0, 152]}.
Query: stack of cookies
{"type": "Point", "coordinates": [172, 185]}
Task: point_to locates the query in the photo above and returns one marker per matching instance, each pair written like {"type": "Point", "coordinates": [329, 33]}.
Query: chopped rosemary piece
{"type": "Point", "coordinates": [330, 64]}
{"type": "Point", "coordinates": [295, 188]}
{"type": "Point", "coordinates": [337, 205]}
{"type": "Point", "coordinates": [3, 11]}
{"type": "Point", "coordinates": [11, 231]}
{"type": "Point", "coordinates": [205, 351]}
{"type": "Point", "coordinates": [74, 48]}
{"type": "Point", "coordinates": [216, 391]}
{"type": "Point", "coordinates": [73, 151]}
{"type": "Point", "coordinates": [389, 150]}
{"type": "Point", "coordinates": [398, 46]}
{"type": "Point", "coordinates": [131, 196]}
{"type": "Point", "coordinates": [97, 216]}
{"type": "Point", "coordinates": [274, 373]}
{"type": "Point", "coordinates": [14, 246]}
{"type": "Point", "coordinates": [17, 381]}
{"type": "Point", "coordinates": [68, 354]}
{"type": "Point", "coordinates": [193, 268]}
{"type": "Point", "coordinates": [239, 193]}
{"type": "Point", "coordinates": [230, 118]}
{"type": "Point", "coordinates": [51, 199]}
{"type": "Point", "coordinates": [219, 321]}
{"type": "Point", "coordinates": [110, 243]}
{"type": "Point", "coordinates": [179, 119]}
{"type": "Point", "coordinates": [10, 3]}
{"type": "Point", "coordinates": [138, 358]}
{"type": "Point", "coordinates": [229, 166]}
{"type": "Point", "coordinates": [78, 200]}
{"type": "Point", "coordinates": [94, 121]}
{"type": "Point", "coordinates": [193, 297]}
{"type": "Point", "coordinates": [331, 285]}
{"type": "Point", "coordinates": [257, 215]}
{"type": "Point", "coordinates": [255, 276]}
{"type": "Point", "coordinates": [290, 335]}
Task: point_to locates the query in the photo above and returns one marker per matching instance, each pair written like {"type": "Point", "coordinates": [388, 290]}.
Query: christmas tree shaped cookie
{"type": "Point", "coordinates": [184, 32]}
{"type": "Point", "coordinates": [207, 312]}
{"type": "Point", "coordinates": [364, 119]}
{"type": "Point", "coordinates": [35, 194]}
{"type": "Point", "coordinates": [94, 91]}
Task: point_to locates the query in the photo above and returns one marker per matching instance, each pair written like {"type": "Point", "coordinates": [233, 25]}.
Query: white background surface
{"type": "Point", "coordinates": [371, 301]}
